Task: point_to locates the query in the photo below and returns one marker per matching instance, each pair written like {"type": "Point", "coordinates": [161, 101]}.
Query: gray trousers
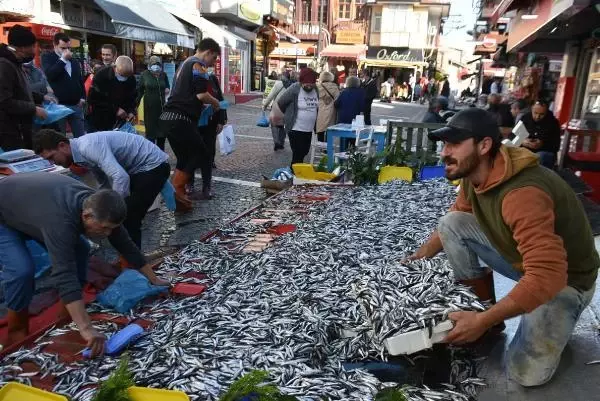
{"type": "Point", "coordinates": [534, 353]}
{"type": "Point", "coordinates": [278, 135]}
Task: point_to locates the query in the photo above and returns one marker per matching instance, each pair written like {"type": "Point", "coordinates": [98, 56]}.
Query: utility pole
{"type": "Point", "coordinates": [320, 31]}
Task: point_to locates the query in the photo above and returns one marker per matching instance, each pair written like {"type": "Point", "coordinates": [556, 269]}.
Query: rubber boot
{"type": "Point", "coordinates": [483, 287]}
{"type": "Point", "coordinates": [182, 201]}
{"type": "Point", "coordinates": [18, 326]}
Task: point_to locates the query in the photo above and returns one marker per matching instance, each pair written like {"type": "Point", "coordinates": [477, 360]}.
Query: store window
{"type": "Point", "coordinates": [377, 21]}
{"type": "Point", "coordinates": [306, 11]}
{"type": "Point", "coordinates": [359, 9]}
{"type": "Point", "coordinates": [345, 7]}
{"type": "Point", "coordinates": [234, 81]}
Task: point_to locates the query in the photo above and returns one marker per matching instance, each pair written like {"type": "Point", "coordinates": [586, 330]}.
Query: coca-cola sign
{"type": "Point", "coordinates": [395, 54]}
{"type": "Point", "coordinates": [45, 32]}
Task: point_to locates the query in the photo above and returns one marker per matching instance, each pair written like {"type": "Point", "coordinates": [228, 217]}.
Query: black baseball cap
{"type": "Point", "coordinates": [468, 123]}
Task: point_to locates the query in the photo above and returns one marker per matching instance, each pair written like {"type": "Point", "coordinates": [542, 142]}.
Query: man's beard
{"type": "Point", "coordinates": [465, 168]}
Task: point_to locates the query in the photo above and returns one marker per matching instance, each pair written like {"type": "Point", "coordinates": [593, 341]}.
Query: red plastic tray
{"type": "Point", "coordinates": [188, 289]}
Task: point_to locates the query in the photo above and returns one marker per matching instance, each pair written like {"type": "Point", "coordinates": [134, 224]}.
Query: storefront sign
{"type": "Point", "coordinates": [249, 10]}
{"type": "Point", "coordinates": [21, 7]}
{"type": "Point", "coordinates": [73, 14]}
{"type": "Point", "coordinates": [44, 32]}
{"type": "Point", "coordinates": [395, 54]}
{"type": "Point", "coordinates": [283, 10]}
{"type": "Point", "coordinates": [291, 50]}
{"type": "Point", "coordinates": [350, 36]}
{"type": "Point", "coordinates": [287, 51]}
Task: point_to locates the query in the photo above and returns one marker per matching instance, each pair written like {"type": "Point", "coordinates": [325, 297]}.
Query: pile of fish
{"type": "Point", "coordinates": [284, 309]}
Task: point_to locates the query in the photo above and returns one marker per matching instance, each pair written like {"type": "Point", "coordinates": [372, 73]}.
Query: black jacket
{"type": "Point", "coordinates": [17, 106]}
{"type": "Point", "coordinates": [371, 90]}
{"type": "Point", "coordinates": [67, 89]}
{"type": "Point", "coordinates": [107, 95]}
{"type": "Point", "coordinates": [547, 130]}
{"type": "Point", "coordinates": [221, 116]}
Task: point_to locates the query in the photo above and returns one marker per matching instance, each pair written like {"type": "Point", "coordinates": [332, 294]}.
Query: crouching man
{"type": "Point", "coordinates": [56, 211]}
{"type": "Point", "coordinates": [523, 221]}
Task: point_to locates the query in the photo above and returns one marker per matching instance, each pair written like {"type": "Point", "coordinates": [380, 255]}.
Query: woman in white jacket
{"type": "Point", "coordinates": [280, 86]}
{"type": "Point", "coordinates": [328, 93]}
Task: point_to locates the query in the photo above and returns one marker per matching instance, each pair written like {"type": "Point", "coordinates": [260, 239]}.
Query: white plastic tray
{"type": "Point", "coordinates": [417, 340]}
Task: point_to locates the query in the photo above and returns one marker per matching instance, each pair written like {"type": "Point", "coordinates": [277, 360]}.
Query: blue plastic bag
{"type": "Point", "coordinates": [168, 194]}
{"type": "Point", "coordinates": [283, 174]}
{"type": "Point", "coordinates": [55, 112]}
{"type": "Point", "coordinates": [128, 127]}
{"type": "Point", "coordinates": [263, 121]}
{"type": "Point", "coordinates": [208, 112]}
{"type": "Point", "coordinates": [127, 290]}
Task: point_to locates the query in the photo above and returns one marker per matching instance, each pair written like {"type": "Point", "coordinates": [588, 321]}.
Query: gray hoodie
{"type": "Point", "coordinates": [288, 104]}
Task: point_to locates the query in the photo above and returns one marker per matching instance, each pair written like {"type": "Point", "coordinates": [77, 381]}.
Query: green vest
{"type": "Point", "coordinates": [571, 222]}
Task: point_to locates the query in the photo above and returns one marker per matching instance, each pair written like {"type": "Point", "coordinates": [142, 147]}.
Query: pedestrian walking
{"type": "Point", "coordinates": [179, 120]}
{"type": "Point", "coordinates": [300, 104]}
{"type": "Point", "coordinates": [328, 94]}
{"type": "Point", "coordinates": [369, 84]}
{"type": "Point", "coordinates": [17, 105]}
{"type": "Point", "coordinates": [445, 88]}
{"type": "Point", "coordinates": [269, 83]}
{"type": "Point", "coordinates": [209, 133]}
{"type": "Point", "coordinates": [154, 88]}
{"type": "Point", "coordinates": [112, 96]}
{"type": "Point", "coordinates": [57, 211]}
{"type": "Point", "coordinates": [349, 104]}
{"type": "Point", "coordinates": [64, 76]}
{"type": "Point", "coordinates": [280, 85]}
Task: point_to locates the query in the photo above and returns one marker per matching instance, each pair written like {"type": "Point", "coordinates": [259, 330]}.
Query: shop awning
{"type": "Point", "coordinates": [223, 37]}
{"type": "Point", "coordinates": [146, 21]}
{"type": "Point", "coordinates": [345, 51]}
{"type": "Point", "coordinates": [393, 63]}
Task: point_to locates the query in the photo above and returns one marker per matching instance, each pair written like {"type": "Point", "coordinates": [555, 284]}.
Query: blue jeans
{"type": "Point", "coordinates": [75, 120]}
{"type": "Point", "coordinates": [18, 268]}
{"type": "Point", "coordinates": [534, 353]}
{"type": "Point", "coordinates": [547, 159]}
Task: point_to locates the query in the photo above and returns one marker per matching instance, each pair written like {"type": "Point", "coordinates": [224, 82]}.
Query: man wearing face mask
{"type": "Point", "coordinates": [17, 106]}
{"type": "Point", "coordinates": [112, 97]}
{"type": "Point", "coordinates": [65, 78]}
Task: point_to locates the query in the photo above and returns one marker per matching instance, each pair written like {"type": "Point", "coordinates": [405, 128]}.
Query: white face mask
{"type": "Point", "coordinates": [155, 68]}
{"type": "Point", "coordinates": [121, 78]}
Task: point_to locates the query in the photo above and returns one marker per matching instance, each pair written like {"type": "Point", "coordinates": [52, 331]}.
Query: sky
{"type": "Point", "coordinates": [461, 14]}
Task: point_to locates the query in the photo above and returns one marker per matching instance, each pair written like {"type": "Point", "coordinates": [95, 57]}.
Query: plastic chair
{"type": "Point", "coordinates": [316, 150]}
{"type": "Point", "coordinates": [361, 144]}
{"type": "Point", "coordinates": [391, 173]}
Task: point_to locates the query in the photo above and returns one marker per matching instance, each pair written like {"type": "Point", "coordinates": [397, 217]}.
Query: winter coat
{"type": "Point", "coordinates": [17, 106]}
{"type": "Point", "coordinates": [328, 94]}
{"type": "Point", "coordinates": [349, 104]}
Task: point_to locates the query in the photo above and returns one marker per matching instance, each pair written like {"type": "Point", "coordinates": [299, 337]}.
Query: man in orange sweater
{"type": "Point", "coordinates": [523, 221]}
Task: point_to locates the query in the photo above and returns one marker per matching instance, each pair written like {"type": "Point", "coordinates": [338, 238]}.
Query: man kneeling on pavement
{"type": "Point", "coordinates": [57, 211]}
{"type": "Point", "coordinates": [132, 165]}
{"type": "Point", "coordinates": [523, 221]}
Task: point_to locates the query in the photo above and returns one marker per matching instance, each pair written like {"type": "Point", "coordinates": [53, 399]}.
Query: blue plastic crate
{"type": "Point", "coordinates": [431, 172]}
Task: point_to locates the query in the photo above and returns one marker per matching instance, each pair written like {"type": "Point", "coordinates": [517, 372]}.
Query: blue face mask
{"type": "Point", "coordinates": [155, 68]}
{"type": "Point", "coordinates": [121, 78]}
{"type": "Point", "coordinates": [204, 75]}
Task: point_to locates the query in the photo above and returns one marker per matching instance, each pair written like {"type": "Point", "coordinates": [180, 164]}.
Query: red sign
{"type": "Point", "coordinates": [564, 99]}
{"type": "Point", "coordinates": [45, 32]}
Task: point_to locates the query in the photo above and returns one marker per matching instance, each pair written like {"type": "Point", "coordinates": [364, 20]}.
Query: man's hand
{"type": "Point", "coordinates": [95, 340]}
{"type": "Point", "coordinates": [41, 113]}
{"type": "Point", "coordinates": [216, 105]}
{"type": "Point", "coordinates": [122, 113]}
{"type": "Point", "coordinates": [533, 144]}
{"type": "Point", "coordinates": [219, 128]}
{"type": "Point", "coordinates": [468, 327]}
{"type": "Point", "coordinates": [67, 54]}
{"type": "Point", "coordinates": [148, 271]}
{"type": "Point", "coordinates": [50, 98]}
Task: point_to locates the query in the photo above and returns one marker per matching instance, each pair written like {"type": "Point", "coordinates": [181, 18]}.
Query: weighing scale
{"type": "Point", "coordinates": [25, 161]}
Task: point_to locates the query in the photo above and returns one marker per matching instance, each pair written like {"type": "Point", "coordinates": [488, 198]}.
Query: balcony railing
{"type": "Point", "coordinates": [308, 30]}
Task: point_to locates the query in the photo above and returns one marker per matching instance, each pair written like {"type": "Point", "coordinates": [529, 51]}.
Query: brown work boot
{"type": "Point", "coordinates": [18, 326]}
{"type": "Point", "coordinates": [182, 201]}
{"type": "Point", "coordinates": [483, 287]}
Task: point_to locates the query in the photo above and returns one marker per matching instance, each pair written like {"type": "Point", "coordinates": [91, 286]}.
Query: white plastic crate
{"type": "Point", "coordinates": [417, 340]}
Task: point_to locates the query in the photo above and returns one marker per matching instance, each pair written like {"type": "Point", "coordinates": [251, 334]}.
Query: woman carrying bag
{"type": "Point", "coordinates": [328, 94]}
{"type": "Point", "coordinates": [279, 87]}
{"type": "Point", "coordinates": [154, 88]}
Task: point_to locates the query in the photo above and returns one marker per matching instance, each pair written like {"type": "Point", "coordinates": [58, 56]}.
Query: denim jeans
{"type": "Point", "coordinates": [534, 353]}
{"type": "Point", "coordinates": [18, 268]}
{"type": "Point", "coordinates": [547, 159]}
{"type": "Point", "coordinates": [76, 121]}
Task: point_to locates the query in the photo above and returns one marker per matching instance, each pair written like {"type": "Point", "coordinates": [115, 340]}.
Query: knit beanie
{"type": "Point", "coordinates": [19, 36]}
{"type": "Point", "coordinates": [307, 76]}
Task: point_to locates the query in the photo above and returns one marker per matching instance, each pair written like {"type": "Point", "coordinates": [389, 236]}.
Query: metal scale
{"type": "Point", "coordinates": [25, 161]}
